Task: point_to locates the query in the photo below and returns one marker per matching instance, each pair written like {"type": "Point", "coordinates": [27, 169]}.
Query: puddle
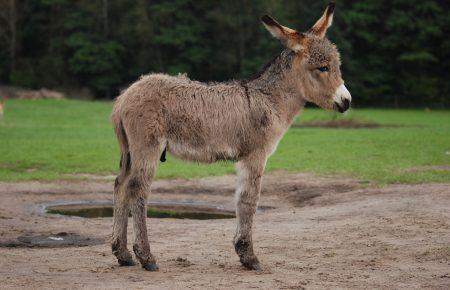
{"type": "Point", "coordinates": [154, 210]}
{"type": "Point", "coordinates": [62, 239]}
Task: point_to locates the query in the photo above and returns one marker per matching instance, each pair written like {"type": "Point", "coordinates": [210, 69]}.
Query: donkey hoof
{"type": "Point", "coordinates": [250, 262]}
{"type": "Point", "coordinates": [151, 267]}
{"type": "Point", "coordinates": [252, 265]}
{"type": "Point", "coordinates": [126, 262]}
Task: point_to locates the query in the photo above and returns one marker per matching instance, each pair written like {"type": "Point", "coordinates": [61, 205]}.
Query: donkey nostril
{"type": "Point", "coordinates": [338, 108]}
{"type": "Point", "coordinates": [346, 104]}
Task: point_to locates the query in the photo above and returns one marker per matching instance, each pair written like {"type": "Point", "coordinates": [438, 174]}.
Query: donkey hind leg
{"type": "Point", "coordinates": [143, 170]}
{"type": "Point", "coordinates": [121, 212]}
{"type": "Point", "coordinates": [247, 195]}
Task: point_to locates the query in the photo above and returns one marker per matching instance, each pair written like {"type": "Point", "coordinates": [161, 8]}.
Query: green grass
{"type": "Point", "coordinates": [47, 140]}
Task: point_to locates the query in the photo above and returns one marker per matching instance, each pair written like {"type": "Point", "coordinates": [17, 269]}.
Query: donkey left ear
{"type": "Point", "coordinates": [320, 28]}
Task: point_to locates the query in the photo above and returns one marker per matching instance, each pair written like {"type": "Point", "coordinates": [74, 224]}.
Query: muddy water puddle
{"type": "Point", "coordinates": [154, 210]}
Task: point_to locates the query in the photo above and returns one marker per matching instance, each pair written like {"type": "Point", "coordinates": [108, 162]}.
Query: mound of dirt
{"type": "Point", "coordinates": [22, 93]}
{"type": "Point", "coordinates": [61, 239]}
{"type": "Point", "coordinates": [428, 168]}
{"type": "Point", "coordinates": [341, 124]}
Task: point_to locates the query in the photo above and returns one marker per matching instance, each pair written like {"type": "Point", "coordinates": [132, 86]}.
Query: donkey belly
{"type": "Point", "coordinates": [204, 153]}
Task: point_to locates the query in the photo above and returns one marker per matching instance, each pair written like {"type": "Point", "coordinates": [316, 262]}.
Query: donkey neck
{"type": "Point", "coordinates": [274, 81]}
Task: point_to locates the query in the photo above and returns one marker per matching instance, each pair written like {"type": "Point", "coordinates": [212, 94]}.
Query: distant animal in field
{"type": "Point", "coordinates": [2, 106]}
{"type": "Point", "coordinates": [241, 121]}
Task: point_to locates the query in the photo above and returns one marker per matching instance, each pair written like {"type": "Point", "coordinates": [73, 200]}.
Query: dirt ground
{"type": "Point", "coordinates": [313, 233]}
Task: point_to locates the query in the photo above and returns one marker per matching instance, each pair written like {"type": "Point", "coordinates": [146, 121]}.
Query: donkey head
{"type": "Point", "coordinates": [315, 71]}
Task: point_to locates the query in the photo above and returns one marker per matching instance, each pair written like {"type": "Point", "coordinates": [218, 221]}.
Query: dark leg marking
{"type": "Point", "coordinates": [115, 247]}
{"type": "Point", "coordinates": [241, 247]}
{"type": "Point", "coordinates": [245, 252]}
{"type": "Point", "coordinates": [134, 186]}
{"type": "Point", "coordinates": [152, 266]}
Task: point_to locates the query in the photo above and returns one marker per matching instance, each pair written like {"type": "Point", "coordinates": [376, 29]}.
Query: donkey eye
{"type": "Point", "coordinates": [323, 68]}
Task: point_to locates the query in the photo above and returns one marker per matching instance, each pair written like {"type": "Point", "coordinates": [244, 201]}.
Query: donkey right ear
{"type": "Point", "coordinates": [289, 37]}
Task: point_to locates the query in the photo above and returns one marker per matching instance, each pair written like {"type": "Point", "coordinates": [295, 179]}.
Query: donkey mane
{"type": "Point", "coordinates": [275, 67]}
{"type": "Point", "coordinates": [268, 74]}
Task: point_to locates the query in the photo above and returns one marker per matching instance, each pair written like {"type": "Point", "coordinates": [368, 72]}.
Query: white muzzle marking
{"type": "Point", "coordinates": [342, 94]}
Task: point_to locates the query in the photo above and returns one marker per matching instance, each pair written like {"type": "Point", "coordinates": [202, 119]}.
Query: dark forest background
{"type": "Point", "coordinates": [394, 52]}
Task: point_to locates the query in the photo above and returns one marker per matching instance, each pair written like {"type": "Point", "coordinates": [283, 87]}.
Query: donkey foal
{"type": "Point", "coordinates": [241, 121]}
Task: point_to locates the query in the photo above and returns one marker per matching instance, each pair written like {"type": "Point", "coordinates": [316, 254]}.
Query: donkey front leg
{"type": "Point", "coordinates": [247, 195]}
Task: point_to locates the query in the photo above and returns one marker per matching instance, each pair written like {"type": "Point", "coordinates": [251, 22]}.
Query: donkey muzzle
{"type": "Point", "coordinates": [342, 99]}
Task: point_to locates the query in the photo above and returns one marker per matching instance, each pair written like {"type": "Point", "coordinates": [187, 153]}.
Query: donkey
{"type": "Point", "coordinates": [241, 121]}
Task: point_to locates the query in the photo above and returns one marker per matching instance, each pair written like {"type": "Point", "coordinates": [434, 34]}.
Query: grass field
{"type": "Point", "coordinates": [47, 140]}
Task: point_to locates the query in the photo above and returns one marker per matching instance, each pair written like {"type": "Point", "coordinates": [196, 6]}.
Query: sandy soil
{"type": "Point", "coordinates": [318, 233]}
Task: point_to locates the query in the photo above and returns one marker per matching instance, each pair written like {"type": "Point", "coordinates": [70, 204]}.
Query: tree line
{"type": "Point", "coordinates": [394, 52]}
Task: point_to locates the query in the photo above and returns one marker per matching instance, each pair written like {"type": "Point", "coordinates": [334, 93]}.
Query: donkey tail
{"type": "Point", "coordinates": [125, 160]}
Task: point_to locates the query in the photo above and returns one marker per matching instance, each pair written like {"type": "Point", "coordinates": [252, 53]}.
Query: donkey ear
{"type": "Point", "coordinates": [321, 26]}
{"type": "Point", "coordinates": [289, 37]}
